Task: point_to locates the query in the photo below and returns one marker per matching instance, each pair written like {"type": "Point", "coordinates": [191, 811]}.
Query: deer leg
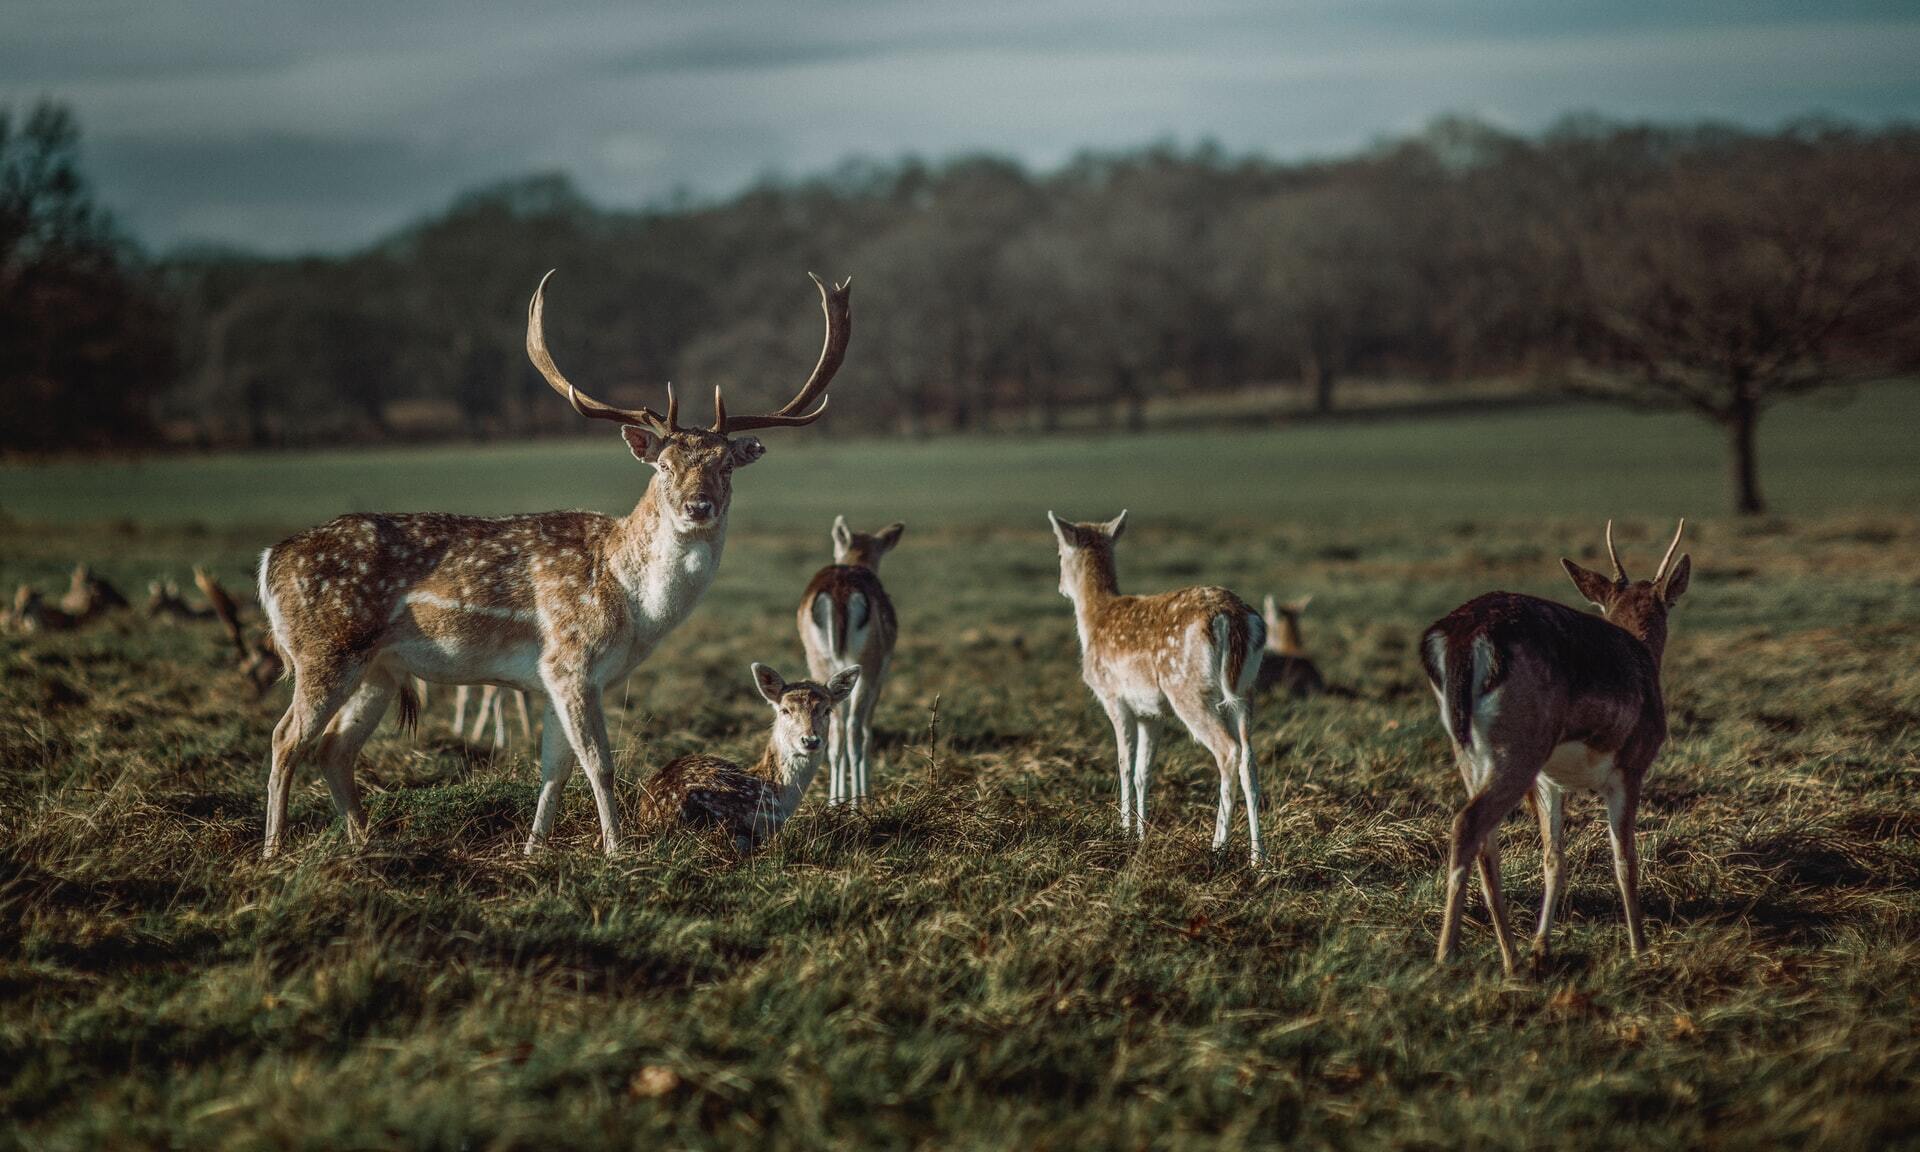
{"type": "Point", "coordinates": [556, 768]}
{"type": "Point", "coordinates": [1489, 861]}
{"type": "Point", "coordinates": [499, 720]}
{"type": "Point", "coordinates": [1123, 737]}
{"type": "Point", "coordinates": [1502, 791]}
{"type": "Point", "coordinates": [1549, 804]}
{"type": "Point", "coordinates": [1622, 801]}
{"type": "Point", "coordinates": [1212, 732]}
{"type": "Point", "coordinates": [482, 714]}
{"type": "Point", "coordinates": [577, 708]}
{"type": "Point", "coordinates": [1249, 778]}
{"type": "Point", "coordinates": [837, 756]}
{"type": "Point", "coordinates": [460, 710]}
{"type": "Point", "coordinates": [317, 695]}
{"type": "Point", "coordinates": [341, 743]}
{"type": "Point", "coordinates": [860, 711]}
{"type": "Point", "coordinates": [526, 718]}
{"type": "Point", "coordinates": [1143, 735]}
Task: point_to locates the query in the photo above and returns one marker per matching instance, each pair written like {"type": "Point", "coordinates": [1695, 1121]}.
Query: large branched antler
{"type": "Point", "coordinates": [582, 403]}
{"type": "Point", "coordinates": [834, 303]}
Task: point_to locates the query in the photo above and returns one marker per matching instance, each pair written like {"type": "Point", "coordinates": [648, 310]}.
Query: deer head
{"type": "Point", "coordinates": [863, 549]}
{"type": "Point", "coordinates": [1086, 553]}
{"type": "Point", "coordinates": [1639, 606]}
{"type": "Point", "coordinates": [693, 467]}
{"type": "Point", "coordinates": [802, 711]}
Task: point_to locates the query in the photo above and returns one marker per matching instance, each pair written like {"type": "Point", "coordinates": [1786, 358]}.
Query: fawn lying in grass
{"type": "Point", "coordinates": [751, 804]}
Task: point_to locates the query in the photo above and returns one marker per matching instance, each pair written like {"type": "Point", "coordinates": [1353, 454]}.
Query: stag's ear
{"type": "Point", "coordinates": [771, 686]}
{"type": "Point", "coordinates": [1116, 525]}
{"type": "Point", "coordinates": [1596, 588]}
{"type": "Point", "coordinates": [644, 443]}
{"type": "Point", "coordinates": [841, 686]}
{"type": "Point", "coordinates": [1676, 580]}
{"type": "Point", "coordinates": [1068, 534]}
{"type": "Point", "coordinates": [744, 450]}
{"type": "Point", "coordinates": [889, 536]}
{"type": "Point", "coordinates": [842, 536]}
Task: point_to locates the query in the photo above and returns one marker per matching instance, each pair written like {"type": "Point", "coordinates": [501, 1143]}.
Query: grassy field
{"type": "Point", "coordinates": [981, 960]}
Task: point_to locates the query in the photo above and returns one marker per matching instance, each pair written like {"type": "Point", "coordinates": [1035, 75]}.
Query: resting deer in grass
{"type": "Point", "coordinates": [1196, 651]}
{"type": "Point", "coordinates": [257, 658]}
{"type": "Point", "coordinates": [89, 594]}
{"type": "Point", "coordinates": [751, 804]}
{"type": "Point", "coordinates": [1286, 665]}
{"type": "Point", "coordinates": [31, 614]}
{"type": "Point", "coordinates": [847, 621]}
{"type": "Point", "coordinates": [561, 603]}
{"type": "Point", "coordinates": [1538, 699]}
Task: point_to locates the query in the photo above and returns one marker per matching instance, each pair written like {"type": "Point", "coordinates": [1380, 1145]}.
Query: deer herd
{"type": "Point", "coordinates": [1537, 699]}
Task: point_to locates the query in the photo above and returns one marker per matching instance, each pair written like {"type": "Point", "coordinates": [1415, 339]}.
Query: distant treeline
{"type": "Point", "coordinates": [1703, 267]}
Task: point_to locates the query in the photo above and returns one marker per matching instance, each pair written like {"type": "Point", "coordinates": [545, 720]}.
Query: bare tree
{"type": "Point", "coordinates": [1739, 276]}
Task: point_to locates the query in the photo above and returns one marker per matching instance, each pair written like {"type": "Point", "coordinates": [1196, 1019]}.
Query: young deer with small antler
{"type": "Point", "coordinates": [1539, 698]}
{"type": "Point", "coordinates": [562, 603]}
{"type": "Point", "coordinates": [1196, 651]}
{"type": "Point", "coordinates": [751, 804]}
{"type": "Point", "coordinates": [847, 621]}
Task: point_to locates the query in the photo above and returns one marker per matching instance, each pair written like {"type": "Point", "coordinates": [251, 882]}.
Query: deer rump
{"type": "Point", "coordinates": [1510, 669]}
{"type": "Point", "coordinates": [846, 607]}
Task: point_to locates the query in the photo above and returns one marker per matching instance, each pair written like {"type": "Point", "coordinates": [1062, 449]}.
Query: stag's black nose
{"type": "Point", "coordinates": [699, 511]}
{"type": "Point", "coordinates": [810, 743]}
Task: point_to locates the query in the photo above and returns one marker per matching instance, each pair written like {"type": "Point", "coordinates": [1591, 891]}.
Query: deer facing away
{"type": "Point", "coordinates": [1539, 699]}
{"type": "Point", "coordinates": [560, 603]}
{"type": "Point", "coordinates": [751, 804]}
{"type": "Point", "coordinates": [847, 621]}
{"type": "Point", "coordinates": [1195, 651]}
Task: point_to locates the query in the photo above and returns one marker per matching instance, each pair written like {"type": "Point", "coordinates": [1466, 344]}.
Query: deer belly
{"type": "Point", "coordinates": [1579, 766]}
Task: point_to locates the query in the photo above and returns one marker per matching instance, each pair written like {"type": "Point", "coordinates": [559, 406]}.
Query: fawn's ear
{"type": "Point", "coordinates": [1116, 525]}
{"type": "Point", "coordinates": [1068, 535]}
{"type": "Point", "coordinates": [841, 686]}
{"type": "Point", "coordinates": [1596, 588]}
{"type": "Point", "coordinates": [1299, 606]}
{"type": "Point", "coordinates": [889, 536]}
{"type": "Point", "coordinates": [1270, 608]}
{"type": "Point", "coordinates": [842, 535]}
{"type": "Point", "coordinates": [745, 450]}
{"type": "Point", "coordinates": [1676, 580]}
{"type": "Point", "coordinates": [771, 686]}
{"type": "Point", "coordinates": [644, 443]}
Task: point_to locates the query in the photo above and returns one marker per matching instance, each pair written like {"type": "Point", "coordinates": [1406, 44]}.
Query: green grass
{"type": "Point", "coordinates": [1818, 456]}
{"type": "Point", "coordinates": [982, 960]}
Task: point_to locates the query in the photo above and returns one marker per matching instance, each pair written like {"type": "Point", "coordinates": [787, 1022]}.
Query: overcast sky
{"type": "Point", "coordinates": [322, 126]}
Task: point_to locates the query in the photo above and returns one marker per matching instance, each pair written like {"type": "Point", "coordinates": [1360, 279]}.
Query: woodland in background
{"type": "Point", "coordinates": [1706, 268]}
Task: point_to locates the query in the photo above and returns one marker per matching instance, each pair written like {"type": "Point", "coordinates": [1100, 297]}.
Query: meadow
{"type": "Point", "coordinates": [980, 959]}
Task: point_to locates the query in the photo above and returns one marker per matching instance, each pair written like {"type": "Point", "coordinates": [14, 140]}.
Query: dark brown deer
{"type": "Point", "coordinates": [562, 603]}
{"type": "Point", "coordinates": [846, 621]}
{"type": "Point", "coordinates": [1538, 699]}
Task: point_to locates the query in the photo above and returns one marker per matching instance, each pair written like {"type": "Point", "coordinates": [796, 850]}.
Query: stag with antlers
{"type": "Point", "coordinates": [1539, 699]}
{"type": "Point", "coordinates": [561, 603]}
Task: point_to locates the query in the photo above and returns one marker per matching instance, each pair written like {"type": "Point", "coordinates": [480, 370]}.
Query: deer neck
{"type": "Point", "coordinates": [1091, 585]}
{"type": "Point", "coordinates": [665, 570]}
{"type": "Point", "coordinates": [790, 775]}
